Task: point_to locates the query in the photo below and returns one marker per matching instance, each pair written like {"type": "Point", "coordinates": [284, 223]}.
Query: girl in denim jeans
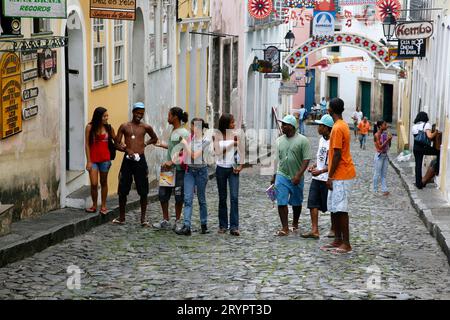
{"type": "Point", "coordinates": [196, 175]}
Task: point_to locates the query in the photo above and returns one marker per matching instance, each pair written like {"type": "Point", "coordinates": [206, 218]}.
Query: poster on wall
{"type": "Point", "coordinates": [117, 10]}
{"type": "Point", "coordinates": [35, 9]}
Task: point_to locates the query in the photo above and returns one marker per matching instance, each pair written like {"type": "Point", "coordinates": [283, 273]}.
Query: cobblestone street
{"type": "Point", "coordinates": [129, 262]}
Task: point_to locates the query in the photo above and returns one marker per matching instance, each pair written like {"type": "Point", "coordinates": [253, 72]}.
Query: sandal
{"type": "Point", "coordinates": [117, 221]}
{"type": "Point", "coordinates": [91, 210]}
{"type": "Point", "coordinates": [339, 251]}
{"type": "Point", "coordinates": [310, 235]}
{"type": "Point", "coordinates": [328, 247]}
{"type": "Point", "coordinates": [103, 211]}
{"type": "Point", "coordinates": [281, 233]}
{"type": "Point", "coordinates": [145, 224]}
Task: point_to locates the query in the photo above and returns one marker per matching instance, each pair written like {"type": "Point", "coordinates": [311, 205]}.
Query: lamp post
{"type": "Point", "coordinates": [389, 24]}
{"type": "Point", "coordinates": [289, 40]}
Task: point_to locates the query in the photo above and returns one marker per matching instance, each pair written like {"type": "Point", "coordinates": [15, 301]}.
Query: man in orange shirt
{"type": "Point", "coordinates": [364, 128]}
{"type": "Point", "coordinates": [340, 177]}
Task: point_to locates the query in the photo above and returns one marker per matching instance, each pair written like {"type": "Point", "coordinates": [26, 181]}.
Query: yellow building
{"type": "Point", "coordinates": [193, 38]}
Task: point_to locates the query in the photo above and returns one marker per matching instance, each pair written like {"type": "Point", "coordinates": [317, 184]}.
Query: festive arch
{"type": "Point", "coordinates": [375, 49]}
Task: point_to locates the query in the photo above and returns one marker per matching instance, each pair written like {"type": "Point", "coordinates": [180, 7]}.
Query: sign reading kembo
{"type": "Point", "coordinates": [113, 9]}
{"type": "Point", "coordinates": [35, 8]}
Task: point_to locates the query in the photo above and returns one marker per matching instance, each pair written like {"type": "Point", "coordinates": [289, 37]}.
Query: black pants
{"type": "Point", "coordinates": [419, 153]}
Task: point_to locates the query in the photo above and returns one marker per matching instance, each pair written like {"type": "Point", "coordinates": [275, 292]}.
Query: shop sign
{"type": "Point", "coordinates": [29, 56]}
{"type": "Point", "coordinates": [30, 75]}
{"type": "Point", "coordinates": [35, 9]}
{"type": "Point", "coordinates": [272, 55]}
{"type": "Point", "coordinates": [273, 76]}
{"type": "Point", "coordinates": [414, 30]}
{"type": "Point", "coordinates": [11, 96]}
{"type": "Point", "coordinates": [47, 62]}
{"type": "Point", "coordinates": [113, 9]}
{"type": "Point", "coordinates": [323, 23]}
{"type": "Point", "coordinates": [30, 112]}
{"type": "Point", "coordinates": [29, 94]}
{"type": "Point", "coordinates": [408, 49]}
{"type": "Point", "coordinates": [288, 88]}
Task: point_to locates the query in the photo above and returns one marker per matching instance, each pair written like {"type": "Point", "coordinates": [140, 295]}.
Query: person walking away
{"type": "Point", "coordinates": [196, 177]}
{"type": "Point", "coordinates": [318, 191]}
{"type": "Point", "coordinates": [357, 117]}
{"type": "Point", "coordinates": [323, 106]}
{"type": "Point", "coordinates": [364, 128]}
{"type": "Point", "coordinates": [382, 141]}
{"type": "Point", "coordinates": [340, 175]}
{"type": "Point", "coordinates": [420, 150]}
{"type": "Point", "coordinates": [134, 165]}
{"type": "Point", "coordinates": [98, 135]}
{"type": "Point", "coordinates": [302, 119]}
{"type": "Point", "coordinates": [293, 157]}
{"type": "Point", "coordinates": [176, 118]}
{"type": "Point", "coordinates": [228, 152]}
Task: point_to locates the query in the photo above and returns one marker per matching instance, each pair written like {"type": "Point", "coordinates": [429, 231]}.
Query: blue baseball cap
{"type": "Point", "coordinates": [290, 119]}
{"type": "Point", "coordinates": [138, 105]}
{"type": "Point", "coordinates": [326, 120]}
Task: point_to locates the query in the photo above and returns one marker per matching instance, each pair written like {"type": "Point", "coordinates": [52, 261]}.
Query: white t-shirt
{"type": "Point", "coordinates": [322, 158]}
{"type": "Point", "coordinates": [420, 127]}
{"type": "Point", "coordinates": [358, 116]}
{"type": "Point", "coordinates": [227, 160]}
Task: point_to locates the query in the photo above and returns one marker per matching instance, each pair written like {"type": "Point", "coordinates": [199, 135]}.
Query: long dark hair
{"type": "Point", "coordinates": [421, 117]}
{"type": "Point", "coordinates": [180, 114]}
{"type": "Point", "coordinates": [224, 122]}
{"type": "Point", "coordinates": [96, 123]}
{"type": "Point", "coordinates": [377, 126]}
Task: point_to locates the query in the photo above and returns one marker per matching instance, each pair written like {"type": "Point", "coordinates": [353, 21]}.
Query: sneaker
{"type": "Point", "coordinates": [163, 225]}
{"type": "Point", "coordinates": [184, 231]}
{"type": "Point", "coordinates": [204, 229]}
{"type": "Point", "coordinates": [178, 225]}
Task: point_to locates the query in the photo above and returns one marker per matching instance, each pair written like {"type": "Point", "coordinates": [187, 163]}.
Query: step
{"type": "Point", "coordinates": [5, 218]}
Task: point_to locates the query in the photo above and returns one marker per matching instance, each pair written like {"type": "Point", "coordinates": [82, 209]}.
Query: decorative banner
{"type": "Point", "coordinates": [117, 10]}
{"type": "Point", "coordinates": [408, 49]}
{"type": "Point", "coordinates": [344, 3]}
{"type": "Point", "coordinates": [260, 9]}
{"type": "Point", "coordinates": [272, 55]}
{"type": "Point", "coordinates": [297, 15]}
{"type": "Point", "coordinates": [47, 62]}
{"type": "Point", "coordinates": [11, 96]}
{"type": "Point", "coordinates": [308, 4]}
{"type": "Point", "coordinates": [56, 9]}
{"type": "Point", "coordinates": [303, 64]}
{"type": "Point", "coordinates": [323, 24]}
{"type": "Point", "coordinates": [414, 30]}
{"type": "Point", "coordinates": [325, 5]}
{"type": "Point", "coordinates": [385, 6]}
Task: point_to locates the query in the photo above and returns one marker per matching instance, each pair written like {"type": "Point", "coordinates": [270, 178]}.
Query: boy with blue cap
{"type": "Point", "coordinates": [294, 154]}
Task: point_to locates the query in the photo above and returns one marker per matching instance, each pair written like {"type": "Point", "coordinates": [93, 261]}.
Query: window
{"type": "Point", "coordinates": [205, 7]}
{"type": "Point", "coordinates": [165, 37]}
{"type": "Point", "coordinates": [99, 41]}
{"type": "Point", "coordinates": [41, 25]}
{"type": "Point", "coordinates": [119, 50]}
{"type": "Point", "coordinates": [152, 39]}
{"type": "Point", "coordinates": [195, 6]}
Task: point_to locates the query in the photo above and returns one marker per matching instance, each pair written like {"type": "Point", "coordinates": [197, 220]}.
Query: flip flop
{"type": "Point", "coordinates": [281, 233]}
{"type": "Point", "coordinates": [91, 210]}
{"type": "Point", "coordinates": [328, 247]}
{"type": "Point", "coordinates": [145, 224]}
{"type": "Point", "coordinates": [103, 211]}
{"type": "Point", "coordinates": [339, 251]}
{"type": "Point", "coordinates": [117, 221]}
{"type": "Point", "coordinates": [310, 235]}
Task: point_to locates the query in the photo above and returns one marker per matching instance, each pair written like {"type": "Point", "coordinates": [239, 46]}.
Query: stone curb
{"type": "Point", "coordinates": [425, 214]}
{"type": "Point", "coordinates": [41, 240]}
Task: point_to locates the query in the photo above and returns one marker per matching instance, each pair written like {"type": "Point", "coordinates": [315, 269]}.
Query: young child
{"type": "Point", "coordinates": [382, 141]}
{"type": "Point", "coordinates": [318, 192]}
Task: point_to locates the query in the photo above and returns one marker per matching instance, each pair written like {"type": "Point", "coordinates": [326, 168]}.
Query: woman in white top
{"type": "Point", "coordinates": [420, 150]}
{"type": "Point", "coordinates": [228, 155]}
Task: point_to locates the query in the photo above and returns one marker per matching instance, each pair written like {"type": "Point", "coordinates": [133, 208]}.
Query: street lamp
{"type": "Point", "coordinates": [389, 24]}
{"type": "Point", "coordinates": [289, 40]}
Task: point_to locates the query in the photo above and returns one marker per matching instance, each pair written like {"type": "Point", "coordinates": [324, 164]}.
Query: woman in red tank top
{"type": "Point", "coordinates": [98, 133]}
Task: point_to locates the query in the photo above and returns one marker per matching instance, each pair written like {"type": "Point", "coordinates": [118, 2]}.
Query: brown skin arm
{"type": "Point", "coordinates": [152, 134]}
{"type": "Point", "coordinates": [298, 176]}
{"type": "Point", "coordinates": [334, 164]}
{"type": "Point", "coordinates": [87, 148]}
{"type": "Point", "coordinates": [432, 135]}
{"type": "Point", "coordinates": [118, 139]}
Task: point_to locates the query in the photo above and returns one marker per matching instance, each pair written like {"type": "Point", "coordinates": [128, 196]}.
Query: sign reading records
{"type": "Point", "coordinates": [113, 9]}
{"type": "Point", "coordinates": [35, 8]}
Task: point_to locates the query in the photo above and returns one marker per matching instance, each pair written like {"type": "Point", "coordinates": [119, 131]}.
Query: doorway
{"type": "Point", "coordinates": [310, 91]}
{"type": "Point", "coordinates": [366, 92]}
{"type": "Point", "coordinates": [388, 91]}
{"type": "Point", "coordinates": [332, 87]}
{"type": "Point", "coordinates": [138, 58]}
{"type": "Point", "coordinates": [75, 105]}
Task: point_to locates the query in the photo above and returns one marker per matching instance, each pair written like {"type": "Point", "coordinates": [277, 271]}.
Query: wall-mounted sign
{"type": "Point", "coordinates": [323, 23]}
{"type": "Point", "coordinates": [29, 94]}
{"type": "Point", "coordinates": [408, 49]}
{"type": "Point", "coordinates": [273, 76]}
{"type": "Point", "coordinates": [288, 89]}
{"type": "Point", "coordinates": [28, 56]}
{"type": "Point", "coordinates": [414, 30]}
{"type": "Point", "coordinates": [117, 10]}
{"type": "Point", "coordinates": [30, 75]}
{"type": "Point", "coordinates": [272, 54]}
{"type": "Point", "coordinates": [11, 96]}
{"type": "Point", "coordinates": [30, 112]}
{"type": "Point", "coordinates": [35, 9]}
{"type": "Point", "coordinates": [47, 62]}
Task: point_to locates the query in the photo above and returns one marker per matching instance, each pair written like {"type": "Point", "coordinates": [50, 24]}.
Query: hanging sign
{"type": "Point", "coordinates": [323, 23]}
{"type": "Point", "coordinates": [47, 64]}
{"type": "Point", "coordinates": [408, 49]}
{"type": "Point", "coordinates": [35, 9]}
{"type": "Point", "coordinates": [30, 75]}
{"type": "Point", "coordinates": [414, 30]}
{"type": "Point", "coordinates": [29, 94]}
{"type": "Point", "coordinates": [113, 9]}
{"type": "Point", "coordinates": [272, 55]}
{"type": "Point", "coordinates": [11, 96]}
{"type": "Point", "coordinates": [30, 112]}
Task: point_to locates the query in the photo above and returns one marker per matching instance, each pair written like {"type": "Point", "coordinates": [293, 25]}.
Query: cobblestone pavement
{"type": "Point", "coordinates": [390, 243]}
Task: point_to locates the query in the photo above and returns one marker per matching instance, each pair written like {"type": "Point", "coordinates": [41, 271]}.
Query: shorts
{"type": "Point", "coordinates": [288, 193]}
{"type": "Point", "coordinates": [139, 171]}
{"type": "Point", "coordinates": [166, 192]}
{"type": "Point", "coordinates": [318, 195]}
{"type": "Point", "coordinates": [101, 166]}
{"type": "Point", "coordinates": [338, 198]}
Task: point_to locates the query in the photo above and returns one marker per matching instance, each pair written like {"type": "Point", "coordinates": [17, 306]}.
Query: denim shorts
{"type": "Point", "coordinates": [101, 166]}
{"type": "Point", "coordinates": [288, 193]}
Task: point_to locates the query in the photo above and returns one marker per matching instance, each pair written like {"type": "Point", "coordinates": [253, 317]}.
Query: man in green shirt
{"type": "Point", "coordinates": [294, 154]}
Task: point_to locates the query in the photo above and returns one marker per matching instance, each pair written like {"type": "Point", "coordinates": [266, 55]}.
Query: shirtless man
{"type": "Point", "coordinates": [134, 163]}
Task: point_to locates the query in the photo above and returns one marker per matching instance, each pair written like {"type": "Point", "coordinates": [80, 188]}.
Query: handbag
{"type": "Point", "coordinates": [421, 138]}
{"type": "Point", "coordinates": [111, 144]}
